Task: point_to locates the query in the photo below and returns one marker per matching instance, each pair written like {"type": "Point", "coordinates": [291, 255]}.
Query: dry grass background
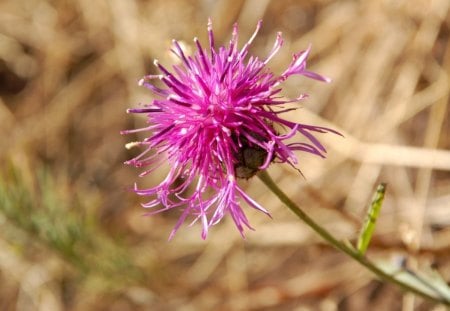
{"type": "Point", "coordinates": [73, 238]}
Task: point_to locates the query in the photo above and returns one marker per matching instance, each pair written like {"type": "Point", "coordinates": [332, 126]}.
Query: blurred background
{"type": "Point", "coordinates": [74, 238]}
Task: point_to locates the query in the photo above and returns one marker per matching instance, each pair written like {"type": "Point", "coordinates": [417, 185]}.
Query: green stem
{"type": "Point", "coordinates": [349, 250]}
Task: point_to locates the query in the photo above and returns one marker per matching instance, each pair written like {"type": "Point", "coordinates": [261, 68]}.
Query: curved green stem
{"type": "Point", "coordinates": [347, 249]}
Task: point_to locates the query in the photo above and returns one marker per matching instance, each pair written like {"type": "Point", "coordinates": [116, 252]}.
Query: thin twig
{"type": "Point", "coordinates": [347, 249]}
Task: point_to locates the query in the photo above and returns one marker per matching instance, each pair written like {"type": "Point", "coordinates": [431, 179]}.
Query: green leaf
{"type": "Point", "coordinates": [372, 214]}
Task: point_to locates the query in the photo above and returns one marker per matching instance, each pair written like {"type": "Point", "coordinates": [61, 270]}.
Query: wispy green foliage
{"type": "Point", "coordinates": [48, 216]}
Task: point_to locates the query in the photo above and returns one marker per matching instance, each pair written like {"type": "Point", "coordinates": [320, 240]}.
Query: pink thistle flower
{"type": "Point", "coordinates": [215, 122]}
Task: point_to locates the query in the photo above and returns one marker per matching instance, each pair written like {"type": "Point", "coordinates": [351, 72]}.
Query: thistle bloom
{"type": "Point", "coordinates": [217, 120]}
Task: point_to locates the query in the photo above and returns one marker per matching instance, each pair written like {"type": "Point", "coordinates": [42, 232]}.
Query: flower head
{"type": "Point", "coordinates": [217, 119]}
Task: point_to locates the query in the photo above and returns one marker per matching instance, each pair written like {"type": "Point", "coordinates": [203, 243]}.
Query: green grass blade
{"type": "Point", "coordinates": [371, 219]}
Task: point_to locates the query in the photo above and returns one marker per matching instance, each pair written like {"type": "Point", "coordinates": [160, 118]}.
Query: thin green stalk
{"type": "Point", "coordinates": [349, 250]}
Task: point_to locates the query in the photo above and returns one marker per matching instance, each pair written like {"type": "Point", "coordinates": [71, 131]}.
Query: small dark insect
{"type": "Point", "coordinates": [249, 161]}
